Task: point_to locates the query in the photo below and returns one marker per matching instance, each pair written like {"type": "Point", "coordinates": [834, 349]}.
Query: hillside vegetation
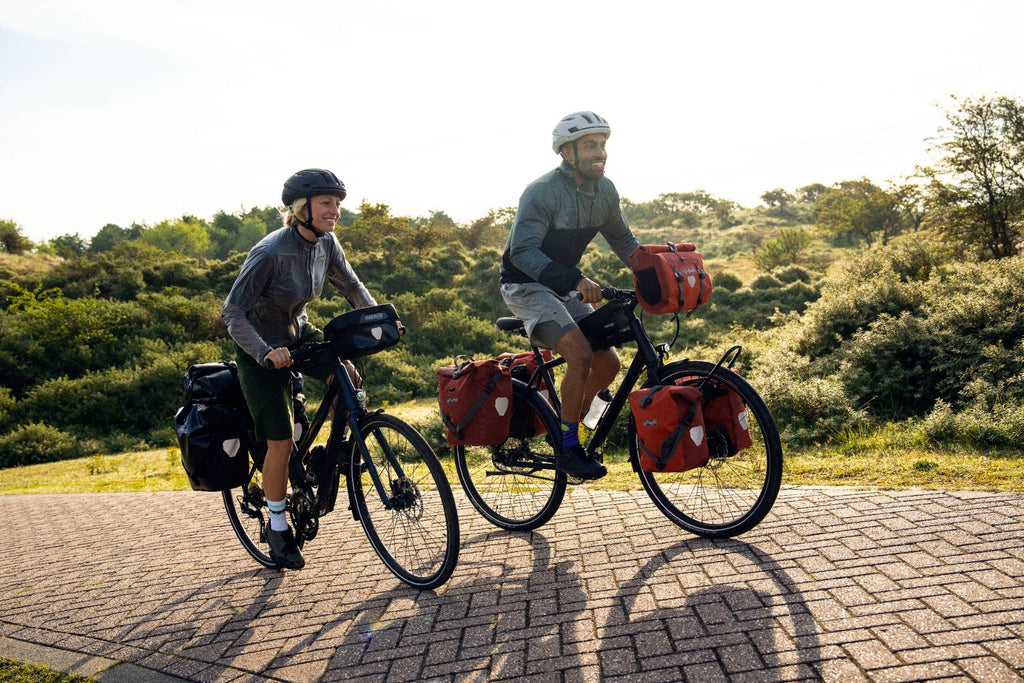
{"type": "Point", "coordinates": [862, 310]}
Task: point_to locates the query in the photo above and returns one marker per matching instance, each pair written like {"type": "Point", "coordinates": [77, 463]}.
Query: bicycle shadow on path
{"type": "Point", "coordinates": [710, 609]}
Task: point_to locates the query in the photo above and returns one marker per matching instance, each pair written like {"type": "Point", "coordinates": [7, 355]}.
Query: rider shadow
{"type": "Point", "coordinates": [220, 628]}
{"type": "Point", "coordinates": [484, 624]}
{"type": "Point", "coordinates": [749, 617]}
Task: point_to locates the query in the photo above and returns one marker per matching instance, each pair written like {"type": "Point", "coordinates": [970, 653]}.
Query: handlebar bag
{"type": "Point", "coordinates": [476, 401]}
{"type": "Point", "coordinates": [212, 426]}
{"type": "Point", "coordinates": [669, 278]}
{"type": "Point", "coordinates": [524, 423]}
{"type": "Point", "coordinates": [607, 326]}
{"type": "Point", "coordinates": [669, 428]}
{"type": "Point", "coordinates": [363, 331]}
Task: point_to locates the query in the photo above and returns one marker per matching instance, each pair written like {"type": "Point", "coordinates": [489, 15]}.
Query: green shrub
{"type": "Point", "coordinates": [765, 281]}
{"type": "Point", "coordinates": [725, 281]}
{"type": "Point", "coordinates": [6, 405]}
{"type": "Point", "coordinates": [37, 442]}
{"type": "Point", "coordinates": [117, 406]}
{"type": "Point", "coordinates": [977, 425]}
{"type": "Point", "coordinates": [792, 274]}
{"type": "Point", "coordinates": [807, 408]}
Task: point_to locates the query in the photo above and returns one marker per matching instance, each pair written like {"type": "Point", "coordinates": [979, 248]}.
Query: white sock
{"type": "Point", "coordinates": [278, 519]}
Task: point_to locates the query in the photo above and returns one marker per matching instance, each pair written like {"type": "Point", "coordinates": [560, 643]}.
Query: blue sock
{"type": "Point", "coordinates": [570, 435]}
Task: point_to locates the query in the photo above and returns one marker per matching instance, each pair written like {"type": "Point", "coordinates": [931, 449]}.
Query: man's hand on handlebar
{"type": "Point", "coordinates": [590, 291]}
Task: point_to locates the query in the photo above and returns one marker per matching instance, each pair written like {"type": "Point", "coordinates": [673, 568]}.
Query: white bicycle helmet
{"type": "Point", "coordinates": [575, 126]}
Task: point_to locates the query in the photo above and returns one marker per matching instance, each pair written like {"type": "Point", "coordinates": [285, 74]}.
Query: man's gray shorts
{"type": "Point", "coordinates": [547, 316]}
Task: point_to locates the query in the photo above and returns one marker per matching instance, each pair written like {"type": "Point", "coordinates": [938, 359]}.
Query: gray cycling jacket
{"type": "Point", "coordinates": [266, 307]}
{"type": "Point", "coordinates": [554, 224]}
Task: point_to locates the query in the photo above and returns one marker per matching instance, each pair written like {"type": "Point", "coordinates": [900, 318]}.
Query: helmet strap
{"type": "Point", "coordinates": [308, 223]}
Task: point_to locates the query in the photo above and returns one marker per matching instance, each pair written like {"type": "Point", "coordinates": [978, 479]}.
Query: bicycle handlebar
{"type": "Point", "coordinates": [611, 294]}
{"type": "Point", "coordinates": [299, 354]}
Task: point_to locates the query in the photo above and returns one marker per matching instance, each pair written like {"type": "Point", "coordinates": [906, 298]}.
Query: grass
{"type": "Point", "coordinates": [876, 459]}
{"type": "Point", "coordinates": [17, 672]}
{"type": "Point", "coordinates": [160, 470]}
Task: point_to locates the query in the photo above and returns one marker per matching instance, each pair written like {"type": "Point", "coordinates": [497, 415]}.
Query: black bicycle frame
{"type": "Point", "coordinates": [356, 409]}
{"type": "Point", "coordinates": [648, 357]}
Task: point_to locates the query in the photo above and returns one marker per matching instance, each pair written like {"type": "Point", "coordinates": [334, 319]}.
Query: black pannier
{"type": "Point", "coordinates": [212, 428]}
{"type": "Point", "coordinates": [363, 331]}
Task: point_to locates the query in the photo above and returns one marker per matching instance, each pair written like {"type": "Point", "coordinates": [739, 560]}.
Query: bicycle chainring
{"type": "Point", "coordinates": [304, 517]}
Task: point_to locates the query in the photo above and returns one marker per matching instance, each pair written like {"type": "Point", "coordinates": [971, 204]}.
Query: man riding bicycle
{"type": "Point", "coordinates": [559, 214]}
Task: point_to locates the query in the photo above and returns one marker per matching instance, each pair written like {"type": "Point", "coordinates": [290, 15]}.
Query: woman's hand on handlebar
{"type": "Point", "coordinates": [280, 357]}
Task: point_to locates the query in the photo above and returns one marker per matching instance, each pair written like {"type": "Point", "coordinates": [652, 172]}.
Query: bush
{"type": "Point", "coordinates": [36, 442]}
{"type": "Point", "coordinates": [807, 409]}
{"type": "Point", "coordinates": [725, 281]}
{"type": "Point", "coordinates": [792, 274]}
{"type": "Point", "coordinates": [977, 426]}
{"type": "Point", "coordinates": [6, 405]}
{"type": "Point", "coordinates": [117, 405]}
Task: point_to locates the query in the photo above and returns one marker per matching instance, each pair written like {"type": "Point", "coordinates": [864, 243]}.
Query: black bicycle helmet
{"type": "Point", "coordinates": [311, 182]}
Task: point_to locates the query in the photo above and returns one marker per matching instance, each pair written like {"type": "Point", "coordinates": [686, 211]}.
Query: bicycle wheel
{"type": "Point", "coordinates": [414, 525]}
{"type": "Point", "coordinates": [731, 493]}
{"type": "Point", "coordinates": [514, 485]}
{"type": "Point", "coordinates": [247, 511]}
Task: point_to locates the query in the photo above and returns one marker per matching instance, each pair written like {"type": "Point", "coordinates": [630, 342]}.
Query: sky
{"type": "Point", "coordinates": [118, 111]}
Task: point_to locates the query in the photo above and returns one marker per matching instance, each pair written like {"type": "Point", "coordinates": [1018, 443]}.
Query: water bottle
{"type": "Point", "coordinates": [597, 408]}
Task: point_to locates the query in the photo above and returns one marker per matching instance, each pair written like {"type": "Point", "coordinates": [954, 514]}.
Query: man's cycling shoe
{"type": "Point", "coordinates": [576, 463]}
{"type": "Point", "coordinates": [283, 549]}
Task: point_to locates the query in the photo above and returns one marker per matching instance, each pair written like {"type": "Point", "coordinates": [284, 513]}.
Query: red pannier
{"type": "Point", "coordinates": [669, 428]}
{"type": "Point", "coordinates": [725, 414]}
{"type": "Point", "coordinates": [476, 401]}
{"type": "Point", "coordinates": [522, 366]}
{"type": "Point", "coordinates": [669, 278]}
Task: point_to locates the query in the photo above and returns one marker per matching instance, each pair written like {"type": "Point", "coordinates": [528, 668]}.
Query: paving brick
{"type": "Point", "coordinates": [836, 585]}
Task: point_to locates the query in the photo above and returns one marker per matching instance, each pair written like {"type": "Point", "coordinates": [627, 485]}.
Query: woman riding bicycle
{"type": "Point", "coordinates": [558, 216]}
{"type": "Point", "coordinates": [265, 314]}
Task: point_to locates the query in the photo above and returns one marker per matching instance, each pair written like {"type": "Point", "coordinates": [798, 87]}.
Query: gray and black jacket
{"type": "Point", "coordinates": [266, 307]}
{"type": "Point", "coordinates": [555, 223]}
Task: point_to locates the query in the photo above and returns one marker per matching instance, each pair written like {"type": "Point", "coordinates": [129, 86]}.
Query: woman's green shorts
{"type": "Point", "coordinates": [268, 391]}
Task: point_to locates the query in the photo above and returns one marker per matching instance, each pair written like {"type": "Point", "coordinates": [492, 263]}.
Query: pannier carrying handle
{"type": "Point", "coordinates": [679, 283]}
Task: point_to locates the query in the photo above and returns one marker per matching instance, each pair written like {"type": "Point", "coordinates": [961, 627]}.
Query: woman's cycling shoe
{"type": "Point", "coordinates": [576, 463]}
{"type": "Point", "coordinates": [283, 549]}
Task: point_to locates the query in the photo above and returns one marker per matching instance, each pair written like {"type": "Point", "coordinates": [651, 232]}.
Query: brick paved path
{"type": "Point", "coordinates": [836, 585]}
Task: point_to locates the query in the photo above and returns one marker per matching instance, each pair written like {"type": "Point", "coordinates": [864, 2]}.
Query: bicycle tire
{"type": "Point", "coordinates": [730, 494]}
{"type": "Point", "coordinates": [416, 533]}
{"type": "Point", "coordinates": [247, 511]}
{"type": "Point", "coordinates": [500, 481]}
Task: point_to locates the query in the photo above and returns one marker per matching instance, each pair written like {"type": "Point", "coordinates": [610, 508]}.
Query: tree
{"type": "Point", "coordinates": [68, 246]}
{"type": "Point", "coordinates": [860, 210]}
{"type": "Point", "coordinates": [977, 187]}
{"type": "Point", "coordinates": [783, 250]}
{"type": "Point", "coordinates": [11, 239]}
{"type": "Point", "coordinates": [777, 198]}
{"type": "Point", "coordinates": [108, 236]}
{"type": "Point", "coordinates": [810, 193]}
{"type": "Point", "coordinates": [187, 235]}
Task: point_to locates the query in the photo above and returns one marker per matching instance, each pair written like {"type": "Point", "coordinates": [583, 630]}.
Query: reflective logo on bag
{"type": "Point", "coordinates": [231, 447]}
{"type": "Point", "coordinates": [501, 405]}
{"type": "Point", "coordinates": [697, 434]}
